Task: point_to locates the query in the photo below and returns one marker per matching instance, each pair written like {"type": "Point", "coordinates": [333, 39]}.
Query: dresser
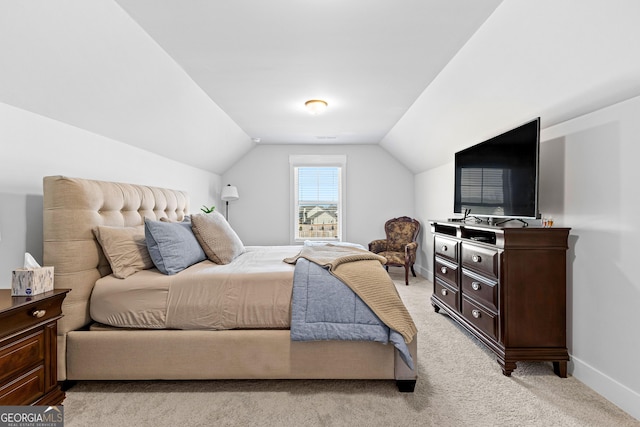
{"type": "Point", "coordinates": [28, 348]}
{"type": "Point", "coordinates": [506, 286]}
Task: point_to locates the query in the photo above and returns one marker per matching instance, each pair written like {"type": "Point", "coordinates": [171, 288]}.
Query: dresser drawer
{"type": "Point", "coordinates": [481, 259]}
{"type": "Point", "coordinates": [24, 389]}
{"type": "Point", "coordinates": [480, 317]}
{"type": "Point", "coordinates": [480, 289]}
{"type": "Point", "coordinates": [446, 271]}
{"type": "Point", "coordinates": [28, 348]}
{"type": "Point", "coordinates": [446, 248]}
{"type": "Point", "coordinates": [446, 294]}
{"type": "Point", "coordinates": [21, 353]}
{"type": "Point", "coordinates": [29, 315]}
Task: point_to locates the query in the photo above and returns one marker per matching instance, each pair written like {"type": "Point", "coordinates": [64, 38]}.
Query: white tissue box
{"type": "Point", "coordinates": [31, 281]}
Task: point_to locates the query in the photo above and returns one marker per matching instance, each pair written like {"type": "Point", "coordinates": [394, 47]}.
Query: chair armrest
{"type": "Point", "coordinates": [410, 252]}
{"type": "Point", "coordinates": [378, 246]}
{"type": "Point", "coordinates": [411, 247]}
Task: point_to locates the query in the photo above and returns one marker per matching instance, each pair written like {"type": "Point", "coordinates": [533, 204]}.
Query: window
{"type": "Point", "coordinates": [317, 193]}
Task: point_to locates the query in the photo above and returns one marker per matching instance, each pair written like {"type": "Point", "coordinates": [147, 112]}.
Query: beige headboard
{"type": "Point", "coordinates": [73, 207]}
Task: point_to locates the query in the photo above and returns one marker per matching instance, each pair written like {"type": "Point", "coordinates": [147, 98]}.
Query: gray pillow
{"type": "Point", "coordinates": [172, 245]}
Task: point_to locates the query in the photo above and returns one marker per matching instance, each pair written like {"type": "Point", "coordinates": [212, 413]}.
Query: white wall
{"type": "Point", "coordinates": [90, 65]}
{"type": "Point", "coordinates": [32, 146]}
{"type": "Point", "coordinates": [377, 188]}
{"type": "Point", "coordinates": [548, 58]}
{"type": "Point", "coordinates": [589, 180]}
{"type": "Point", "coordinates": [434, 200]}
{"type": "Point", "coordinates": [600, 204]}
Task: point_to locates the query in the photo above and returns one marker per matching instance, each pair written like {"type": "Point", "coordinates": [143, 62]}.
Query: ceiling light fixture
{"type": "Point", "coordinates": [316, 106]}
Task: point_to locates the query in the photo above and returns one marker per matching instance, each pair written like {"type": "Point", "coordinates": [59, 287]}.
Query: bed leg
{"type": "Point", "coordinates": [67, 384]}
{"type": "Point", "coordinates": [406, 386]}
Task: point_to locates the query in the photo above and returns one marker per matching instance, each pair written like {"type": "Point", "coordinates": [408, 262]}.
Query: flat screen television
{"type": "Point", "coordinates": [499, 177]}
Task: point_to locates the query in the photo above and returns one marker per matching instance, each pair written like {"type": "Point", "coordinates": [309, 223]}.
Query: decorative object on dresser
{"type": "Point", "coordinates": [507, 286]}
{"type": "Point", "coordinates": [28, 348]}
{"type": "Point", "coordinates": [400, 245]}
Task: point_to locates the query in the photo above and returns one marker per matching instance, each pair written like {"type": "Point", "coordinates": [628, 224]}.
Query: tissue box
{"type": "Point", "coordinates": [31, 281]}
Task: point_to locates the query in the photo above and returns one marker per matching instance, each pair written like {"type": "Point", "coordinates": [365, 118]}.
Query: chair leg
{"type": "Point", "coordinates": [406, 275]}
{"type": "Point", "coordinates": [413, 271]}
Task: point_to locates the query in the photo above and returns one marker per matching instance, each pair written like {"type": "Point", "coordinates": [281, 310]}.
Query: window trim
{"type": "Point", "coordinates": [316, 160]}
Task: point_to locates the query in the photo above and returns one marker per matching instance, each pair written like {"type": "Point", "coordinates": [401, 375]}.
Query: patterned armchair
{"type": "Point", "coordinates": [400, 246]}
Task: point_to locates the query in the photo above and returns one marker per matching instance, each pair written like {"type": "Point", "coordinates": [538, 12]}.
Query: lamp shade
{"type": "Point", "coordinates": [230, 192]}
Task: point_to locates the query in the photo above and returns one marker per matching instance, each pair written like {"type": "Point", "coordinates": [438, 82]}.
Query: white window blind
{"type": "Point", "coordinates": [317, 199]}
{"type": "Point", "coordinates": [318, 185]}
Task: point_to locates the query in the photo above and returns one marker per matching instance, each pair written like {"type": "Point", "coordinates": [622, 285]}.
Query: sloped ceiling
{"type": "Point", "coordinates": [200, 81]}
{"type": "Point", "coordinates": [261, 60]}
{"type": "Point", "coordinates": [546, 58]}
{"type": "Point", "coordinates": [203, 81]}
{"type": "Point", "coordinates": [88, 64]}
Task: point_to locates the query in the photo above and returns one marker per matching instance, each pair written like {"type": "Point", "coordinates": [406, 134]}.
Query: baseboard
{"type": "Point", "coordinates": [423, 272]}
{"type": "Point", "coordinates": [620, 395]}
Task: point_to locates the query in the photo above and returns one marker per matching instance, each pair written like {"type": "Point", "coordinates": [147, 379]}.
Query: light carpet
{"type": "Point", "coordinates": [460, 384]}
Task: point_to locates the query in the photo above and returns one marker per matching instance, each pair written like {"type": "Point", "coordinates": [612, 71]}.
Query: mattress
{"type": "Point", "coordinates": [252, 292]}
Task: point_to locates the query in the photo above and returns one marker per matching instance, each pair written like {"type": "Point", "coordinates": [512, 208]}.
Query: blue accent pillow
{"type": "Point", "coordinates": [172, 245]}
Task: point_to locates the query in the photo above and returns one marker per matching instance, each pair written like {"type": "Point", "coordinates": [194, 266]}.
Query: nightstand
{"type": "Point", "coordinates": [28, 348]}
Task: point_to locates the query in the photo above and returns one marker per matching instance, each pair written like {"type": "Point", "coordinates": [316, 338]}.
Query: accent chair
{"type": "Point", "coordinates": [400, 246]}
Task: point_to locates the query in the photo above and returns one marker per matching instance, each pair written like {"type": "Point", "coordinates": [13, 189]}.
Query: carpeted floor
{"type": "Point", "coordinates": [460, 384]}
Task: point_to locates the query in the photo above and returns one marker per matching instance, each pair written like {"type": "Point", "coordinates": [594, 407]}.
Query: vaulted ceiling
{"type": "Point", "coordinates": [261, 60]}
{"type": "Point", "coordinates": [204, 81]}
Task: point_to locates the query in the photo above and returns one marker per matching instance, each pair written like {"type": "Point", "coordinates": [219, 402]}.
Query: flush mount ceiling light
{"type": "Point", "coordinates": [316, 106]}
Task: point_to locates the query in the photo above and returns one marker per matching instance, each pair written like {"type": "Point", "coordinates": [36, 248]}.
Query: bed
{"type": "Point", "coordinates": [75, 208]}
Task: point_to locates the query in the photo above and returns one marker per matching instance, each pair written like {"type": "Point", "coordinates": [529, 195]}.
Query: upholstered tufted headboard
{"type": "Point", "coordinates": [73, 207]}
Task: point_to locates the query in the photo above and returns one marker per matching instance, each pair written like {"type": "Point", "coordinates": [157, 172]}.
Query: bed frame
{"type": "Point", "coordinates": [73, 207]}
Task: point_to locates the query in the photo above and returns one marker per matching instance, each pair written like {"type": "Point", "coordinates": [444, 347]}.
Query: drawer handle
{"type": "Point", "coordinates": [444, 248]}
{"type": "Point", "coordinates": [39, 313]}
{"type": "Point", "coordinates": [444, 292]}
{"type": "Point", "coordinates": [475, 286]}
{"type": "Point", "coordinates": [475, 313]}
{"type": "Point", "coordinates": [443, 270]}
{"type": "Point", "coordinates": [476, 258]}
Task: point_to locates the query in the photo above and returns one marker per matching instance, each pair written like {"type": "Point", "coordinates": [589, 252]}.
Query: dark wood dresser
{"type": "Point", "coordinates": [28, 348]}
{"type": "Point", "coordinates": [507, 286]}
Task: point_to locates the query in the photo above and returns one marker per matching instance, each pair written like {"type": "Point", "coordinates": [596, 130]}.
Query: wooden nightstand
{"type": "Point", "coordinates": [28, 348]}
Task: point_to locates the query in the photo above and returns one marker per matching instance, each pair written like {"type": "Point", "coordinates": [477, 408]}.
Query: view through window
{"type": "Point", "coordinates": [318, 199]}
{"type": "Point", "coordinates": [317, 196]}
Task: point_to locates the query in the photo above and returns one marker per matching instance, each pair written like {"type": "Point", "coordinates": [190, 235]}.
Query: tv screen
{"type": "Point", "coordinates": [499, 177]}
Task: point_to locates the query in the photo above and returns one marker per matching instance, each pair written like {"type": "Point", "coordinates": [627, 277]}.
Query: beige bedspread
{"type": "Point", "coordinates": [361, 270]}
{"type": "Point", "coordinates": [254, 291]}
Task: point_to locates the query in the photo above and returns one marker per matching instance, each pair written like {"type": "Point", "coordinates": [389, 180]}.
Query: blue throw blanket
{"type": "Point", "coordinates": [324, 308]}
